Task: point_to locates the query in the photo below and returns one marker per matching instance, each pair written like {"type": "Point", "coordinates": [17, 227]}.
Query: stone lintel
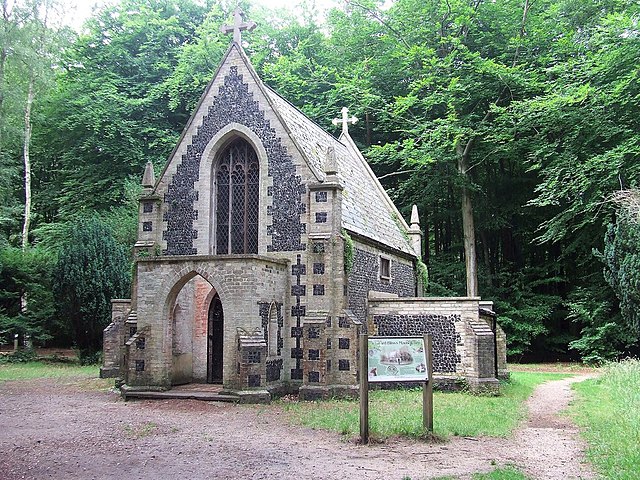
{"type": "Point", "coordinates": [214, 259]}
{"type": "Point", "coordinates": [120, 300]}
{"type": "Point", "coordinates": [144, 244]}
{"type": "Point", "coordinates": [320, 236]}
{"type": "Point", "coordinates": [328, 185]}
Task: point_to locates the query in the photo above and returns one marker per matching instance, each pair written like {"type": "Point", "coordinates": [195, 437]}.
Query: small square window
{"type": "Point", "coordinates": [321, 217]}
{"type": "Point", "coordinates": [147, 226]}
{"type": "Point", "coordinates": [321, 197]}
{"type": "Point", "coordinates": [318, 247]}
{"type": "Point", "coordinates": [318, 268]}
{"type": "Point", "coordinates": [385, 268]}
{"type": "Point", "coordinates": [147, 207]}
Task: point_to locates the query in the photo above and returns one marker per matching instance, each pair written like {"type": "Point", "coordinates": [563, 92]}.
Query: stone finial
{"type": "Point", "coordinates": [238, 26]}
{"type": "Point", "coordinates": [415, 220]}
{"type": "Point", "coordinates": [149, 177]}
{"type": "Point", "coordinates": [345, 120]}
{"type": "Point", "coordinates": [331, 165]}
{"type": "Point", "coordinates": [415, 234]}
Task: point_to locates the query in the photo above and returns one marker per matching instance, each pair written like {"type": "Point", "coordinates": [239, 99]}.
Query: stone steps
{"type": "Point", "coordinates": [181, 395]}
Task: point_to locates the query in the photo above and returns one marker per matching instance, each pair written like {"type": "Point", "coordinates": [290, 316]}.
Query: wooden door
{"type": "Point", "coordinates": [215, 336]}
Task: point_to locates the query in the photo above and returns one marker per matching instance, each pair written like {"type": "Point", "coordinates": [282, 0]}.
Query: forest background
{"type": "Point", "coordinates": [514, 125]}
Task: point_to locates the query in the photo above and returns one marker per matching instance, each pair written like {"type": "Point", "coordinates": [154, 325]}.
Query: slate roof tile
{"type": "Point", "coordinates": [367, 210]}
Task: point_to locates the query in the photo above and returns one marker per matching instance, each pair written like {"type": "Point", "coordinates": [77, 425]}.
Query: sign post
{"type": "Point", "coordinates": [427, 391]}
{"type": "Point", "coordinates": [364, 388]}
{"type": "Point", "coordinates": [395, 359]}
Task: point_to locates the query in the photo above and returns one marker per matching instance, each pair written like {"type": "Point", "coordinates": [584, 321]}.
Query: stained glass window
{"type": "Point", "coordinates": [237, 199]}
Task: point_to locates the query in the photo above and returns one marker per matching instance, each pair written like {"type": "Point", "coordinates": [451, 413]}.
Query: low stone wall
{"type": "Point", "coordinates": [463, 342]}
{"type": "Point", "coordinates": [112, 338]}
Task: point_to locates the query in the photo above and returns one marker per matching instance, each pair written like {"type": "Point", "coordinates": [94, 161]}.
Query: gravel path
{"type": "Point", "coordinates": [66, 429]}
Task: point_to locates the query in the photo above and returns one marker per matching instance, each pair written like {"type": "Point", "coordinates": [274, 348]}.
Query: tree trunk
{"type": "Point", "coordinates": [486, 254]}
{"type": "Point", "coordinates": [468, 227]}
{"type": "Point", "coordinates": [27, 166]}
{"type": "Point", "coordinates": [368, 125]}
{"type": "Point", "coordinates": [3, 59]}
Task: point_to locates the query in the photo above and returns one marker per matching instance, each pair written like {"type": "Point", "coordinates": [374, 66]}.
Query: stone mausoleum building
{"type": "Point", "coordinates": [265, 247]}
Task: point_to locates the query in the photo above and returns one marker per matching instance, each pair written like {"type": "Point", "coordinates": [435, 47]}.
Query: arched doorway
{"type": "Point", "coordinates": [215, 341]}
{"type": "Point", "coordinates": [196, 326]}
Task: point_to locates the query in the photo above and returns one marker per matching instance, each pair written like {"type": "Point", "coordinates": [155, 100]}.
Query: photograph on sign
{"type": "Point", "coordinates": [397, 359]}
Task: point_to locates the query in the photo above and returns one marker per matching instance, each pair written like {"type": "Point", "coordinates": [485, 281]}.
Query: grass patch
{"type": "Point", "coordinates": [559, 367]}
{"type": "Point", "coordinates": [608, 409]}
{"type": "Point", "coordinates": [507, 473]}
{"type": "Point", "coordinates": [31, 370]}
{"type": "Point", "coordinates": [140, 431]}
{"type": "Point", "coordinates": [399, 412]}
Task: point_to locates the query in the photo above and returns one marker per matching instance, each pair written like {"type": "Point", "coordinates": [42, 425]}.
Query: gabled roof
{"type": "Point", "coordinates": [367, 210]}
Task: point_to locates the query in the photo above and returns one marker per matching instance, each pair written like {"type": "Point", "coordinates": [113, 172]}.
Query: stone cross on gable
{"type": "Point", "coordinates": [238, 26]}
{"type": "Point", "coordinates": [345, 120]}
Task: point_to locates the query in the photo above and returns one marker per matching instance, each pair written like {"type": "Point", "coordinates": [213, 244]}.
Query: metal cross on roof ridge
{"type": "Point", "coordinates": [345, 120]}
{"type": "Point", "coordinates": [238, 25]}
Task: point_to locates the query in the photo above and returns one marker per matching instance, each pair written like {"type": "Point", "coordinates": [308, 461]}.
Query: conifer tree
{"type": "Point", "coordinates": [91, 270]}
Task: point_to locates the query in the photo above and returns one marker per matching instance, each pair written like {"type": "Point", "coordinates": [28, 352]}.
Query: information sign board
{"type": "Point", "coordinates": [397, 359]}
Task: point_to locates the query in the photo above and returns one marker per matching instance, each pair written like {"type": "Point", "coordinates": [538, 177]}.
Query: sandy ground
{"type": "Point", "coordinates": [67, 429]}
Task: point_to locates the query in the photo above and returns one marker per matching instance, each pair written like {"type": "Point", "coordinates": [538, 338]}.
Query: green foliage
{"type": "Point", "coordinates": [110, 112]}
{"type": "Point", "coordinates": [423, 274]}
{"type": "Point", "coordinates": [603, 336]}
{"type": "Point", "coordinates": [91, 270]}
{"type": "Point", "coordinates": [608, 410]}
{"type": "Point", "coordinates": [622, 261]}
{"type": "Point", "coordinates": [399, 412]}
{"type": "Point", "coordinates": [24, 355]}
{"type": "Point", "coordinates": [349, 251]}
{"type": "Point", "coordinates": [26, 301]}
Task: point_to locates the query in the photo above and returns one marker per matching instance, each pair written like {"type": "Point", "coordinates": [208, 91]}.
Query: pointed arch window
{"type": "Point", "coordinates": [237, 199]}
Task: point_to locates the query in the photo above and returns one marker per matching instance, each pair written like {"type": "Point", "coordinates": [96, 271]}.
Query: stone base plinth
{"type": "Point", "coordinates": [483, 385]}
{"type": "Point", "coordinates": [109, 372]}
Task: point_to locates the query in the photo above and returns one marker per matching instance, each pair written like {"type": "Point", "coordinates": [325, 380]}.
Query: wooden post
{"type": "Point", "coordinates": [427, 392]}
{"type": "Point", "coordinates": [364, 388]}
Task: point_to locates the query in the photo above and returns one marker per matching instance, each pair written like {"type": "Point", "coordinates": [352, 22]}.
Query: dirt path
{"type": "Point", "coordinates": [66, 430]}
{"type": "Point", "coordinates": [548, 445]}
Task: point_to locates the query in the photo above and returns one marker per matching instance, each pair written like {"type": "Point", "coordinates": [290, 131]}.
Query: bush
{"type": "Point", "coordinates": [91, 270]}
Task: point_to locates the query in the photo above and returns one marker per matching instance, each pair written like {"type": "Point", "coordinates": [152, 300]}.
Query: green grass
{"type": "Point", "coordinates": [31, 370]}
{"type": "Point", "coordinates": [608, 409]}
{"type": "Point", "coordinates": [507, 473]}
{"type": "Point", "coordinates": [399, 412]}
